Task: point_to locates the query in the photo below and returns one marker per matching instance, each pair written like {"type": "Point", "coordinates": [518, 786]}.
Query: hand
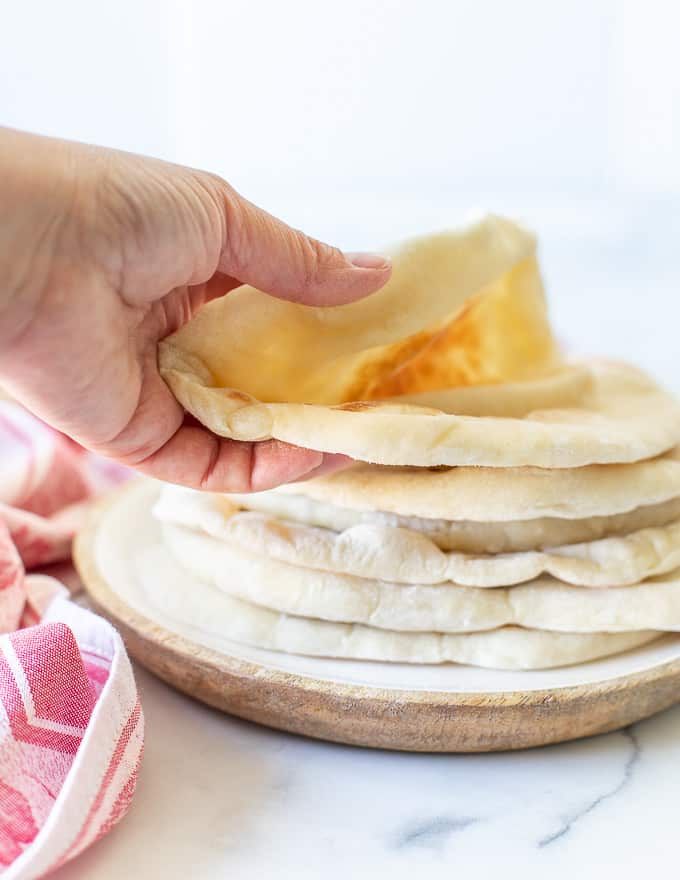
{"type": "Point", "coordinates": [103, 254]}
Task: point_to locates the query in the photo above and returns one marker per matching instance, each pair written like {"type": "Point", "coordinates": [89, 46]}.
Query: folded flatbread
{"type": "Point", "coordinates": [453, 362]}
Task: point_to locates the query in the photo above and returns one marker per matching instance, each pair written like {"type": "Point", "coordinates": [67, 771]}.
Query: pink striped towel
{"type": "Point", "coordinates": [71, 727]}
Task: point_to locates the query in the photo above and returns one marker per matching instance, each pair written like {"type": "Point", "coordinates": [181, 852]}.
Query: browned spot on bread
{"type": "Point", "coordinates": [359, 405]}
{"type": "Point", "coordinates": [502, 334]}
{"type": "Point", "coordinates": [233, 394]}
{"type": "Point", "coordinates": [280, 529]}
{"type": "Point", "coordinates": [383, 363]}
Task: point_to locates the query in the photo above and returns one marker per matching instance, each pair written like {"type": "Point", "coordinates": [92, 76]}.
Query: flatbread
{"type": "Point", "coordinates": [376, 551]}
{"type": "Point", "coordinates": [625, 417]}
{"type": "Point", "coordinates": [459, 336]}
{"type": "Point", "coordinates": [335, 355]}
{"type": "Point", "coordinates": [542, 604]}
{"type": "Point", "coordinates": [498, 494]}
{"type": "Point", "coordinates": [465, 536]}
{"type": "Point", "coordinates": [195, 604]}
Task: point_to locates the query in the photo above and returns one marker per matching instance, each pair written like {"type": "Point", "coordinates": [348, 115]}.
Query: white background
{"type": "Point", "coordinates": [362, 122]}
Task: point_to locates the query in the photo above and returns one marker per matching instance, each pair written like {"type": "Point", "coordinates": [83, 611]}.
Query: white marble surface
{"type": "Point", "coordinates": [218, 797]}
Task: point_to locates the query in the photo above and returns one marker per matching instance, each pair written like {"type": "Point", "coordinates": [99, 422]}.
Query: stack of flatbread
{"type": "Point", "coordinates": [509, 507]}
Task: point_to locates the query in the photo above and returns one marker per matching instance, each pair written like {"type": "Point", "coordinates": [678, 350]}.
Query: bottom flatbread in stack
{"type": "Point", "coordinates": [388, 592]}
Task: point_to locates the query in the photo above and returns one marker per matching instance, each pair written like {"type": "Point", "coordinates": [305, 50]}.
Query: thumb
{"type": "Point", "coordinates": [260, 250]}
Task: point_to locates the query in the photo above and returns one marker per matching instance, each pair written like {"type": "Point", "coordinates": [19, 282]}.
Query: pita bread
{"type": "Point", "coordinates": [194, 604]}
{"type": "Point", "coordinates": [500, 334]}
{"type": "Point", "coordinates": [541, 604]}
{"type": "Point", "coordinates": [480, 323]}
{"type": "Point", "coordinates": [498, 494]}
{"type": "Point", "coordinates": [465, 536]}
{"type": "Point", "coordinates": [383, 552]}
{"type": "Point", "coordinates": [333, 355]}
{"type": "Point", "coordinates": [625, 417]}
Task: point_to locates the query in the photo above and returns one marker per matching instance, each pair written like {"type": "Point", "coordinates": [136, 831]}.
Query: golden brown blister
{"type": "Point", "coordinates": [501, 334]}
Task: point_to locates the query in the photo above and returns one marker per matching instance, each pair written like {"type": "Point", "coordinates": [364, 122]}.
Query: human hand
{"type": "Point", "coordinates": [103, 254]}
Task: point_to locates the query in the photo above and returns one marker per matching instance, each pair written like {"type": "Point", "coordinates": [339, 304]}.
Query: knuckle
{"type": "Point", "coordinates": [316, 258]}
{"type": "Point", "coordinates": [230, 467]}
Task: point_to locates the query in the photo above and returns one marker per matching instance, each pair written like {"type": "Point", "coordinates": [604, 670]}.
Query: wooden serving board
{"type": "Point", "coordinates": [445, 708]}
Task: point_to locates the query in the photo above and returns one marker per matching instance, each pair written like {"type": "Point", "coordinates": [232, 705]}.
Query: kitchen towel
{"type": "Point", "coordinates": [71, 727]}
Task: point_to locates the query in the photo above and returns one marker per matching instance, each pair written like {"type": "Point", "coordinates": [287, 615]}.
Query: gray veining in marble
{"type": "Point", "coordinates": [432, 833]}
{"type": "Point", "coordinates": [627, 773]}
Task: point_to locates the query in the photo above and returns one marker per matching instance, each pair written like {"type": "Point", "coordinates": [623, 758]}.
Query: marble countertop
{"type": "Point", "coordinates": [218, 797]}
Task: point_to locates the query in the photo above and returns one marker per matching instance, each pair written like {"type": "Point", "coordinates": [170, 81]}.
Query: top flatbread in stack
{"type": "Point", "coordinates": [460, 332]}
{"type": "Point", "coordinates": [504, 491]}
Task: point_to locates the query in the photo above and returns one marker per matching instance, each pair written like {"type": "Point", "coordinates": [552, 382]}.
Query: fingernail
{"type": "Point", "coordinates": [368, 261]}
